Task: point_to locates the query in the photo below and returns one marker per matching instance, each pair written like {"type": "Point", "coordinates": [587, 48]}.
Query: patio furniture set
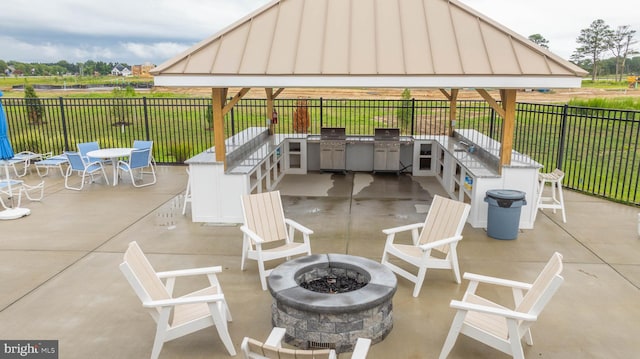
{"type": "Point", "coordinates": [87, 163]}
{"type": "Point", "coordinates": [268, 235]}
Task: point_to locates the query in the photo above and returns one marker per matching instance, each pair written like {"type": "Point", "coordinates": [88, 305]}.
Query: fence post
{"type": "Point", "coordinates": [147, 133]}
{"type": "Point", "coordinates": [233, 122]}
{"type": "Point", "coordinates": [492, 122]}
{"type": "Point", "coordinates": [413, 111]}
{"type": "Point", "coordinates": [64, 125]}
{"type": "Point", "coordinates": [563, 131]}
{"type": "Point", "coordinates": [321, 116]}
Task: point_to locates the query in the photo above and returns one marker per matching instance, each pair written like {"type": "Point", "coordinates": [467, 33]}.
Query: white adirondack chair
{"type": "Point", "coordinates": [177, 317]}
{"type": "Point", "coordinates": [272, 348]}
{"type": "Point", "coordinates": [265, 224]}
{"type": "Point", "coordinates": [496, 325]}
{"type": "Point", "coordinates": [440, 232]}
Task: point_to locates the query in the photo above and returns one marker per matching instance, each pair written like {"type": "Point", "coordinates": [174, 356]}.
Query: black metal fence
{"type": "Point", "coordinates": [598, 149]}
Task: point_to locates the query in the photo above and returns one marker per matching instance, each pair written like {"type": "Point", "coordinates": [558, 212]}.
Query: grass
{"type": "Point", "coordinates": [601, 144]}
{"type": "Point", "coordinates": [619, 103]}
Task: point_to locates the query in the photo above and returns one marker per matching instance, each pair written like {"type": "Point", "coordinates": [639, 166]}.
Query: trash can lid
{"type": "Point", "coordinates": [506, 194]}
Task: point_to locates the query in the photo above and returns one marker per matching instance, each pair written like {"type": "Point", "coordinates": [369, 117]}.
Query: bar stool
{"type": "Point", "coordinates": [187, 193]}
{"type": "Point", "coordinates": [556, 201]}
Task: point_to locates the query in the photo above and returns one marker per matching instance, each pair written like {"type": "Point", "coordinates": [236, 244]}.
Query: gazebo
{"type": "Point", "coordinates": [440, 44]}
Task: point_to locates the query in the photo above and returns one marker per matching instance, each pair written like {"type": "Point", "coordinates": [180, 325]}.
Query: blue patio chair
{"type": "Point", "coordinates": [85, 147]}
{"type": "Point", "coordinates": [24, 159]}
{"type": "Point", "coordinates": [140, 145]}
{"type": "Point", "coordinates": [78, 165]}
{"type": "Point", "coordinates": [58, 161]}
{"type": "Point", "coordinates": [138, 161]}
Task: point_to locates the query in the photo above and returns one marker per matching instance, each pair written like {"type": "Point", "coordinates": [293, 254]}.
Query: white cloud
{"type": "Point", "coordinates": [559, 21]}
{"type": "Point", "coordinates": [163, 50]}
{"type": "Point", "coordinates": [138, 31]}
{"type": "Point", "coordinates": [114, 31]}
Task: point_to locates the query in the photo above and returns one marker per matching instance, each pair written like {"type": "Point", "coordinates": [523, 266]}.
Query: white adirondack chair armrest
{"type": "Point", "coordinates": [183, 300]}
{"type": "Point", "coordinates": [404, 228]}
{"type": "Point", "coordinates": [275, 337]}
{"type": "Point", "coordinates": [456, 304]}
{"type": "Point", "coordinates": [189, 272]}
{"type": "Point", "coordinates": [497, 281]}
{"type": "Point", "coordinates": [298, 226]}
{"type": "Point", "coordinates": [252, 235]}
{"type": "Point", "coordinates": [439, 243]}
{"type": "Point", "coordinates": [361, 349]}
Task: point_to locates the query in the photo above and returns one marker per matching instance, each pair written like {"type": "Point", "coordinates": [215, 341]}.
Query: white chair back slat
{"type": "Point", "coordinates": [543, 287]}
{"type": "Point", "coordinates": [446, 218]}
{"type": "Point", "coordinates": [144, 273]}
{"type": "Point", "coordinates": [265, 216]}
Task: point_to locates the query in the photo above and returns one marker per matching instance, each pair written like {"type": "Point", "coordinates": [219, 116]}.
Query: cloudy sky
{"type": "Point", "coordinates": [138, 31]}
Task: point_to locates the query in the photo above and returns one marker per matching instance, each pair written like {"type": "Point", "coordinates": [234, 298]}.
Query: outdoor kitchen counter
{"type": "Point", "coordinates": [255, 163]}
{"type": "Point", "coordinates": [360, 139]}
{"type": "Point", "coordinates": [245, 150]}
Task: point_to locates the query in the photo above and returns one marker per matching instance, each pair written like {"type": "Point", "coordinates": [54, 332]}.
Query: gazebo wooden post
{"type": "Point", "coordinates": [272, 126]}
{"type": "Point", "coordinates": [508, 98]}
{"type": "Point", "coordinates": [218, 96]}
{"type": "Point", "coordinates": [453, 107]}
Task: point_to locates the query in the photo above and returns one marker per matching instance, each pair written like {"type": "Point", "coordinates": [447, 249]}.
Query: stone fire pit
{"type": "Point", "coordinates": [332, 320]}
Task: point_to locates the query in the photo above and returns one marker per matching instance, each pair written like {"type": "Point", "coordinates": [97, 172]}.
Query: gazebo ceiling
{"type": "Point", "coordinates": [367, 43]}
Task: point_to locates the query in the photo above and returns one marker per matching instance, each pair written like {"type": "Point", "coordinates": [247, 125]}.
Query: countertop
{"type": "Point", "coordinates": [249, 148]}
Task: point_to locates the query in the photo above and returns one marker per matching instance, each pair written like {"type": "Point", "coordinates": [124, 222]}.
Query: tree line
{"type": "Point", "coordinates": [60, 68]}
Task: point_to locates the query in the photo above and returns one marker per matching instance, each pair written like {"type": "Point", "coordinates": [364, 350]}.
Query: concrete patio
{"type": "Point", "coordinates": [61, 281]}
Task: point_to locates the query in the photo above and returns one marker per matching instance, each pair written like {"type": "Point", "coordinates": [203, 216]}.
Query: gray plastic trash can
{"type": "Point", "coordinates": [503, 219]}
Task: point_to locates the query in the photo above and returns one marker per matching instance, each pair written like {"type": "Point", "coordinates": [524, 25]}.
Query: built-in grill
{"type": "Point", "coordinates": [386, 149]}
{"type": "Point", "coordinates": [333, 144]}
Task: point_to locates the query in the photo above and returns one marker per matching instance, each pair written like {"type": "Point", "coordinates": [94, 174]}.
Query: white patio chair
{"type": "Point", "coordinates": [24, 159]}
{"type": "Point", "coordinates": [265, 224]}
{"type": "Point", "coordinates": [18, 187]}
{"type": "Point", "coordinates": [58, 161]}
{"type": "Point", "coordinates": [138, 161]}
{"type": "Point", "coordinates": [440, 233]}
{"type": "Point", "coordinates": [10, 188]}
{"type": "Point", "coordinates": [85, 170]}
{"type": "Point", "coordinates": [272, 348]}
{"type": "Point", "coordinates": [498, 326]}
{"type": "Point", "coordinates": [177, 317]}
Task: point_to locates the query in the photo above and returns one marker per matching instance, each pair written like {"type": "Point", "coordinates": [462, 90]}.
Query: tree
{"type": "Point", "coordinates": [621, 43]}
{"type": "Point", "coordinates": [33, 104]}
{"type": "Point", "coordinates": [404, 112]}
{"type": "Point", "coordinates": [539, 40]}
{"type": "Point", "coordinates": [593, 41]}
{"type": "Point", "coordinates": [121, 107]}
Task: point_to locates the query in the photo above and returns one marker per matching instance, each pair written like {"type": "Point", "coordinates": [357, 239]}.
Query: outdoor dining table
{"type": "Point", "coordinates": [111, 154]}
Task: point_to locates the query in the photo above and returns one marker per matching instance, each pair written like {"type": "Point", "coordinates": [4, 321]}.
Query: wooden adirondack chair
{"type": "Point", "coordinates": [272, 348]}
{"type": "Point", "coordinates": [265, 224]}
{"type": "Point", "coordinates": [177, 317]}
{"type": "Point", "coordinates": [441, 232]}
{"type": "Point", "coordinates": [496, 325]}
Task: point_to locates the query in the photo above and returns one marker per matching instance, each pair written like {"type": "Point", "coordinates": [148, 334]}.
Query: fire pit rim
{"type": "Point", "coordinates": [381, 287]}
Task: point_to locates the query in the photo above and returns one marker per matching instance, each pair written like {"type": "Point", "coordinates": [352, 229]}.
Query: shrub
{"type": "Point", "coordinates": [180, 151]}
{"type": "Point", "coordinates": [404, 112]}
{"type": "Point", "coordinates": [33, 104]}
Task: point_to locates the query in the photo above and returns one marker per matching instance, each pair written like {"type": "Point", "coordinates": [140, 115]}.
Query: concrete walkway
{"type": "Point", "coordinates": [60, 277]}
